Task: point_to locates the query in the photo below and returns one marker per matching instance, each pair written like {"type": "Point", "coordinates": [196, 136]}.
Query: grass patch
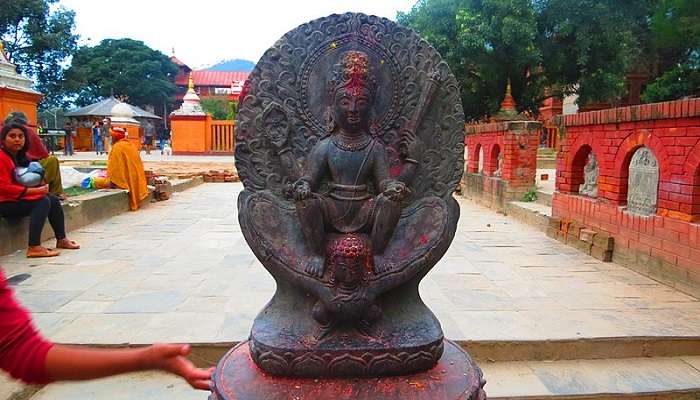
{"type": "Point", "coordinates": [98, 162]}
{"type": "Point", "coordinates": [77, 191]}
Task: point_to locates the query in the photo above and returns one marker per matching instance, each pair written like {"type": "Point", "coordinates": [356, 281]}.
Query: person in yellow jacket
{"type": "Point", "coordinates": [125, 169]}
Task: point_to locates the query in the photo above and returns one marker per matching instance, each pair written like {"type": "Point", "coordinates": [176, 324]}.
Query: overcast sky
{"type": "Point", "coordinates": [206, 31]}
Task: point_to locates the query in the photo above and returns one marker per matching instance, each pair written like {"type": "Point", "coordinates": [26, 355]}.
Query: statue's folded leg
{"type": "Point", "coordinates": [312, 223]}
{"type": "Point", "coordinates": [386, 216]}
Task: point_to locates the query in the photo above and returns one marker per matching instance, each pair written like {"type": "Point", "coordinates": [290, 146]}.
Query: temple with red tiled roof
{"type": "Point", "coordinates": [225, 85]}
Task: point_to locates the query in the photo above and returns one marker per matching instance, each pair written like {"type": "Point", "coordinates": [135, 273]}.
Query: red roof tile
{"type": "Point", "coordinates": [213, 78]}
{"type": "Point", "coordinates": [177, 62]}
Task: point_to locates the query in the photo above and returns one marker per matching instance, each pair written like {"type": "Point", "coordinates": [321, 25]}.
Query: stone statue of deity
{"type": "Point", "coordinates": [590, 177]}
{"type": "Point", "coordinates": [362, 195]}
{"type": "Point", "coordinates": [349, 144]}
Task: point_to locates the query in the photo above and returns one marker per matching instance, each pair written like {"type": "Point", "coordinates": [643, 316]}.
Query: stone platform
{"type": "Point", "coordinates": [455, 377]}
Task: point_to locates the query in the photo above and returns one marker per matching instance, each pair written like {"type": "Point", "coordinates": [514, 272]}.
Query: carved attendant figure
{"type": "Point", "coordinates": [350, 264]}
{"type": "Point", "coordinates": [361, 197]}
{"type": "Point", "coordinates": [274, 123]}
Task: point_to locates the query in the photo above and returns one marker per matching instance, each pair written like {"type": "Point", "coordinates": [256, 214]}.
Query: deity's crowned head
{"type": "Point", "coordinates": [352, 73]}
{"type": "Point", "coordinates": [351, 89]}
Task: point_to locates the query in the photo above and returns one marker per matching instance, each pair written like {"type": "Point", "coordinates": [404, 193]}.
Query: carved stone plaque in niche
{"type": "Point", "coordinates": [643, 182]}
{"type": "Point", "coordinates": [590, 174]}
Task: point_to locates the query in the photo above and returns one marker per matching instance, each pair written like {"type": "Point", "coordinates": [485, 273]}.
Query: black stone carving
{"type": "Point", "coordinates": [349, 144]}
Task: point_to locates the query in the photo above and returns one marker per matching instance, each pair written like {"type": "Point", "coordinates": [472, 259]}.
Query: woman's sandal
{"type": "Point", "coordinates": [67, 244]}
{"type": "Point", "coordinates": [38, 252]}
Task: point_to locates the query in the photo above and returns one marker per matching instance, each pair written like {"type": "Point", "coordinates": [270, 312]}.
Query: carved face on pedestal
{"type": "Point", "coordinates": [348, 259]}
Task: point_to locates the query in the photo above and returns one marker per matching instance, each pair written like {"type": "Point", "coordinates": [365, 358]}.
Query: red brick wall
{"type": "Point", "coordinates": [517, 141]}
{"type": "Point", "coordinates": [665, 246]}
{"type": "Point", "coordinates": [671, 130]}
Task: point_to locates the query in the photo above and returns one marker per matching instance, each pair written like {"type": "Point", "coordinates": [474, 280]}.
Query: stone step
{"type": "Point", "coordinates": [533, 213]}
{"type": "Point", "coordinates": [80, 211]}
{"type": "Point", "coordinates": [657, 377]}
{"type": "Point", "coordinates": [532, 350]}
{"type": "Point", "coordinates": [544, 198]}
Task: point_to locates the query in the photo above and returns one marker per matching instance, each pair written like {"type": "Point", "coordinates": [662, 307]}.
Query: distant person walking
{"type": "Point", "coordinates": [68, 129]}
{"type": "Point", "coordinates": [106, 135]}
{"type": "Point", "coordinates": [97, 138]}
{"type": "Point", "coordinates": [148, 136]}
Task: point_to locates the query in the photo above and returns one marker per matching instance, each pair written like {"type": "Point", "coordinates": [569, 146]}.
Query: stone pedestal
{"type": "Point", "coordinates": [455, 377]}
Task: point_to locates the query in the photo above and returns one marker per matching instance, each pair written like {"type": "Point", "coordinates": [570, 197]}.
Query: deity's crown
{"type": "Point", "coordinates": [352, 72]}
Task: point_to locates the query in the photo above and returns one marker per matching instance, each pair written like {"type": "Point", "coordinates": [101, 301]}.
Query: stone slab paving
{"type": "Point", "coordinates": [538, 379]}
{"type": "Point", "coordinates": [181, 271]}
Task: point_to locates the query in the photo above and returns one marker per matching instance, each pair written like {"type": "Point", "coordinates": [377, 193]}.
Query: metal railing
{"type": "Point", "coordinates": [52, 139]}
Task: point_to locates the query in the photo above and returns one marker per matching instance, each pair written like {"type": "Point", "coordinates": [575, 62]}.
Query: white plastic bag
{"type": "Point", "coordinates": [72, 177]}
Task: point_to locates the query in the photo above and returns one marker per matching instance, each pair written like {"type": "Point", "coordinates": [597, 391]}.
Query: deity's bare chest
{"type": "Point", "coordinates": [350, 166]}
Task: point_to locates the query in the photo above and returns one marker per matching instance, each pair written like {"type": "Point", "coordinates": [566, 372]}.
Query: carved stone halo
{"type": "Point", "coordinates": [294, 73]}
{"type": "Point", "coordinates": [313, 79]}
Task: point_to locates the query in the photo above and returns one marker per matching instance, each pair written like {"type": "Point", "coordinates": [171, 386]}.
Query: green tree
{"type": "Point", "coordinates": [569, 46]}
{"type": "Point", "coordinates": [675, 38]}
{"type": "Point", "coordinates": [124, 68]}
{"type": "Point", "coordinates": [232, 110]}
{"type": "Point", "coordinates": [218, 108]}
{"type": "Point", "coordinates": [38, 38]}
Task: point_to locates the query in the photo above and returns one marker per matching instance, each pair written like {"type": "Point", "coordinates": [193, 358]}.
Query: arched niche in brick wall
{"type": "Point", "coordinates": [692, 168]}
{"type": "Point", "coordinates": [495, 163]}
{"type": "Point", "coordinates": [480, 159]}
{"type": "Point", "coordinates": [591, 172]}
{"type": "Point", "coordinates": [643, 182]}
{"type": "Point", "coordinates": [473, 164]}
{"type": "Point", "coordinates": [578, 166]}
{"type": "Point", "coordinates": [467, 156]}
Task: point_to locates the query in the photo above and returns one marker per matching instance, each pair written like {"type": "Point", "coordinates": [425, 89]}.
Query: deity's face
{"type": "Point", "coordinates": [351, 109]}
{"type": "Point", "coordinates": [348, 271]}
{"type": "Point", "coordinates": [276, 127]}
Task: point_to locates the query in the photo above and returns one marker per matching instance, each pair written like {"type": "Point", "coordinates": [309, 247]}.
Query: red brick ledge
{"type": "Point", "coordinates": [688, 108]}
{"type": "Point", "coordinates": [502, 126]}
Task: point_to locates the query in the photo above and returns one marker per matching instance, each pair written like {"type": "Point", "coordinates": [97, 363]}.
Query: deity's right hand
{"type": "Point", "coordinates": [302, 190]}
{"type": "Point", "coordinates": [396, 190]}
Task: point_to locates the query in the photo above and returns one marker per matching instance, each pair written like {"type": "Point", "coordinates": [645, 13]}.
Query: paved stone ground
{"type": "Point", "coordinates": [181, 271]}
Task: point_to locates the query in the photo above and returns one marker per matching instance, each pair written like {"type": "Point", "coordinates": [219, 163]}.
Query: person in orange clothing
{"type": "Point", "coordinates": [125, 169]}
{"type": "Point", "coordinates": [17, 200]}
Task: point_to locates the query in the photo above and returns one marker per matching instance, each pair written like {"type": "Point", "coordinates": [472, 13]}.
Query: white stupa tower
{"type": "Point", "coordinates": [191, 104]}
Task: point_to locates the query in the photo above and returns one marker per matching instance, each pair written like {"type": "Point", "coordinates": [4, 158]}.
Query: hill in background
{"type": "Point", "coordinates": [233, 65]}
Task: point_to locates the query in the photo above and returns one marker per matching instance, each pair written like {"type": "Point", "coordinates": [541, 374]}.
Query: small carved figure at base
{"type": "Point", "coordinates": [349, 263]}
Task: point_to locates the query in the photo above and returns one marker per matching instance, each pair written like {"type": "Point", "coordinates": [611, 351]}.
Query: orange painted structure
{"type": "Point", "coordinates": [16, 100]}
{"type": "Point", "coordinates": [195, 134]}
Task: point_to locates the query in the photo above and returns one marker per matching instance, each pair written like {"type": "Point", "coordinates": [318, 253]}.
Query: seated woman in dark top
{"type": "Point", "coordinates": [17, 200]}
